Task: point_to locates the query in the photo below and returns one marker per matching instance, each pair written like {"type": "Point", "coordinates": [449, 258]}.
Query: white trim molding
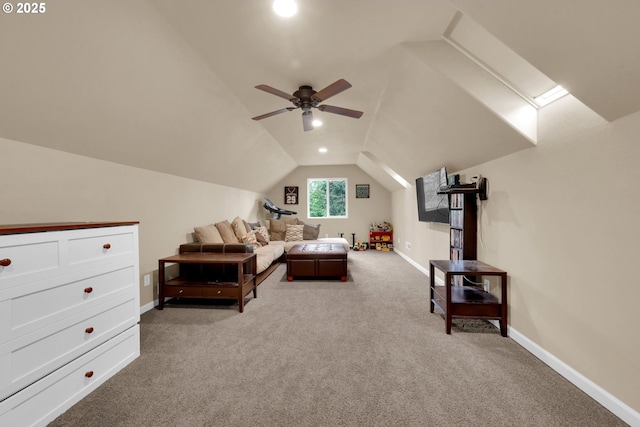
{"type": "Point", "coordinates": [597, 393]}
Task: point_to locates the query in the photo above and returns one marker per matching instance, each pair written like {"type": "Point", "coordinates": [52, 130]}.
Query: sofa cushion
{"type": "Point", "coordinates": [262, 231]}
{"type": "Point", "coordinates": [310, 231]}
{"type": "Point", "coordinates": [208, 234]}
{"type": "Point", "coordinates": [253, 225]}
{"type": "Point", "coordinates": [260, 238]}
{"type": "Point", "coordinates": [265, 255]}
{"type": "Point", "coordinates": [226, 231]}
{"type": "Point", "coordinates": [239, 229]}
{"type": "Point", "coordinates": [293, 233]}
{"type": "Point", "coordinates": [277, 227]}
{"type": "Point", "coordinates": [251, 239]}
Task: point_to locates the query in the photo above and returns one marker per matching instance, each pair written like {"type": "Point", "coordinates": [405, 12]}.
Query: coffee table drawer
{"type": "Point", "coordinates": [200, 292]}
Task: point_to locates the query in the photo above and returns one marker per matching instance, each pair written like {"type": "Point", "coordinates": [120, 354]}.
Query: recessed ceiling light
{"type": "Point", "coordinates": [317, 123]}
{"type": "Point", "coordinates": [285, 8]}
{"type": "Point", "coordinates": [322, 150]}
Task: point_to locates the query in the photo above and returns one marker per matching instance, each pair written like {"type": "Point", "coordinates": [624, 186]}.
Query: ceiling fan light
{"type": "Point", "coordinates": [316, 123]}
{"type": "Point", "coordinates": [285, 8]}
{"type": "Point", "coordinates": [322, 150]}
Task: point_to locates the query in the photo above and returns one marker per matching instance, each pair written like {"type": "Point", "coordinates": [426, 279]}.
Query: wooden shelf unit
{"type": "Point", "coordinates": [463, 222]}
{"type": "Point", "coordinates": [383, 238]}
{"type": "Point", "coordinates": [467, 302]}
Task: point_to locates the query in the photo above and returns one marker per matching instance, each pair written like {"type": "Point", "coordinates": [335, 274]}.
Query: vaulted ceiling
{"type": "Point", "coordinates": [168, 85]}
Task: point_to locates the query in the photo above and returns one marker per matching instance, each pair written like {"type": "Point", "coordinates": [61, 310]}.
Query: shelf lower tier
{"type": "Point", "coordinates": [185, 288]}
{"type": "Point", "coordinates": [468, 302]}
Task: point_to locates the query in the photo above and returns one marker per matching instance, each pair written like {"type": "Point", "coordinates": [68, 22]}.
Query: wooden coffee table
{"type": "Point", "coordinates": [236, 285]}
{"type": "Point", "coordinates": [316, 260]}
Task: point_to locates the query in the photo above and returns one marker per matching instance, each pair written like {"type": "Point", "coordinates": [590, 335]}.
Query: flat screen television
{"type": "Point", "coordinates": [433, 207]}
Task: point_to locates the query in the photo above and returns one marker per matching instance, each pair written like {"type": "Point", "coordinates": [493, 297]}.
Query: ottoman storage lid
{"type": "Point", "coordinates": [317, 251]}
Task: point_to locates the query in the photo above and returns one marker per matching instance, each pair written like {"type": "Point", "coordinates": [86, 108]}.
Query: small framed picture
{"type": "Point", "coordinates": [362, 191]}
{"type": "Point", "coordinates": [290, 195]}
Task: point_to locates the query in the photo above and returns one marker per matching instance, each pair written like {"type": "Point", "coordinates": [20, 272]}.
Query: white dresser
{"type": "Point", "coordinates": [69, 313]}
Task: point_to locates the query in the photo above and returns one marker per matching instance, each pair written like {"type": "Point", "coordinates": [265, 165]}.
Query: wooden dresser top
{"type": "Point", "coordinates": [58, 226]}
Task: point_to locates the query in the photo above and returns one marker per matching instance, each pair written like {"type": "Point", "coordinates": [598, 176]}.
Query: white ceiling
{"type": "Point", "coordinates": [168, 85]}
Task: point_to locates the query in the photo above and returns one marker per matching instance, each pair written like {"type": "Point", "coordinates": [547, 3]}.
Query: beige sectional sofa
{"type": "Point", "coordinates": [270, 242]}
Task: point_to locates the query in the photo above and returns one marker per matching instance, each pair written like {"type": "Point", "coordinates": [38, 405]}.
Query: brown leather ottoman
{"type": "Point", "coordinates": [317, 260]}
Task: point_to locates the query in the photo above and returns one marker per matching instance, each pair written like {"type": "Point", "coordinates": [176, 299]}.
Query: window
{"type": "Point", "coordinates": [327, 198]}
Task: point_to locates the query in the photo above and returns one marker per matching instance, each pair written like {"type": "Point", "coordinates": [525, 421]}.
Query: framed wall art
{"type": "Point", "coordinates": [362, 191]}
{"type": "Point", "coordinates": [290, 195]}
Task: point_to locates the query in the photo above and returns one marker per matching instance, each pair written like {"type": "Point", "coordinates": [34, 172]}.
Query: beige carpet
{"type": "Point", "coordinates": [366, 352]}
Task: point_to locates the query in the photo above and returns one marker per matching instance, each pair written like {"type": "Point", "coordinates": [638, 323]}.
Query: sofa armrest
{"type": "Point", "coordinates": [217, 247]}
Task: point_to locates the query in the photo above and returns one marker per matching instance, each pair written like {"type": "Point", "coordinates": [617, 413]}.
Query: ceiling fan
{"type": "Point", "coordinates": [306, 98]}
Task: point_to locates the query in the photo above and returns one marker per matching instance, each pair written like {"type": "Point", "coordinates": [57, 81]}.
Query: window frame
{"type": "Point", "coordinates": [328, 205]}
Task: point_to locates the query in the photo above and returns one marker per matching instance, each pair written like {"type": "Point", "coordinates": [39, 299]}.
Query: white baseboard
{"type": "Point", "coordinates": [147, 307]}
{"type": "Point", "coordinates": [600, 395]}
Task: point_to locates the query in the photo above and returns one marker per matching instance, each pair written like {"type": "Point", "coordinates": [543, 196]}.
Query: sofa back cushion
{"type": "Point", "coordinates": [239, 229]}
{"type": "Point", "coordinates": [310, 231]}
{"type": "Point", "coordinates": [277, 228]}
{"type": "Point", "coordinates": [226, 231]}
{"type": "Point", "coordinates": [208, 234]}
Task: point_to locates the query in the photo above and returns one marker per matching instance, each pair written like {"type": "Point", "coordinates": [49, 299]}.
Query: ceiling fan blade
{"type": "Point", "coordinates": [342, 111]}
{"type": "Point", "coordinates": [276, 92]}
{"type": "Point", "coordinates": [273, 113]}
{"type": "Point", "coordinates": [307, 121]}
{"type": "Point", "coordinates": [331, 90]}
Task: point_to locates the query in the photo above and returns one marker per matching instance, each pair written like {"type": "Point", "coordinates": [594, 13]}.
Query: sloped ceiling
{"type": "Point", "coordinates": [168, 85]}
{"type": "Point", "coordinates": [589, 47]}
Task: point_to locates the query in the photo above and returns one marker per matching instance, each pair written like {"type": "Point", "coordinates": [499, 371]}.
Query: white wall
{"type": "Point", "coordinates": [44, 185]}
{"type": "Point", "coordinates": [362, 212]}
{"type": "Point", "coordinates": [562, 220]}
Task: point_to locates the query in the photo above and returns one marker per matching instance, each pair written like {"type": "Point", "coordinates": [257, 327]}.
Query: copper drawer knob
{"type": "Point", "coordinates": [88, 290]}
{"type": "Point", "coordinates": [107, 246]}
{"type": "Point", "coordinates": [88, 374]}
{"type": "Point", "coordinates": [89, 330]}
{"type": "Point", "coordinates": [5, 262]}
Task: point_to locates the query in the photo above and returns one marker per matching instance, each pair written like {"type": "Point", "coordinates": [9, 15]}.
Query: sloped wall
{"type": "Point", "coordinates": [44, 185]}
{"type": "Point", "coordinates": [562, 220]}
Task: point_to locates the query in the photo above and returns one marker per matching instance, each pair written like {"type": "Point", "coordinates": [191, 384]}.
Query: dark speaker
{"type": "Point", "coordinates": [482, 186]}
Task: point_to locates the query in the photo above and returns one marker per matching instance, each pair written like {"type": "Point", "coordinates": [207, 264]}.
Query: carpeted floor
{"type": "Point", "coordinates": [365, 352]}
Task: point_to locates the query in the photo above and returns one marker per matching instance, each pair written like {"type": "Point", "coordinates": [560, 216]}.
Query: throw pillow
{"type": "Point", "coordinates": [239, 228]}
{"type": "Point", "coordinates": [277, 228]}
{"type": "Point", "coordinates": [263, 232]}
{"type": "Point", "coordinates": [226, 231]}
{"type": "Point", "coordinates": [310, 232]}
{"type": "Point", "coordinates": [260, 238]}
{"type": "Point", "coordinates": [293, 233]}
{"type": "Point", "coordinates": [208, 234]}
{"type": "Point", "coordinates": [250, 238]}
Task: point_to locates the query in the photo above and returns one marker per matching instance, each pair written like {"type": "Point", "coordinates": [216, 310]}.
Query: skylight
{"type": "Point", "coordinates": [551, 95]}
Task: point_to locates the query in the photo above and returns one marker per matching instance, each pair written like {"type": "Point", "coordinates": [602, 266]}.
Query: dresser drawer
{"type": "Point", "coordinates": [44, 400]}
{"type": "Point", "coordinates": [27, 258]}
{"type": "Point", "coordinates": [25, 313]}
{"type": "Point", "coordinates": [30, 357]}
{"type": "Point", "coordinates": [101, 246]}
